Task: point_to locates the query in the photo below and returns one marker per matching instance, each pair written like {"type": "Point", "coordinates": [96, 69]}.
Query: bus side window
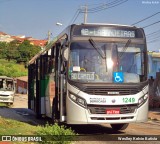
{"type": "Point", "coordinates": [1, 84]}
{"type": "Point", "coordinates": [4, 84]}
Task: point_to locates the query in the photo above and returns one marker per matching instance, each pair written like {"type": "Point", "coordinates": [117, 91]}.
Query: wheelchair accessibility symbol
{"type": "Point", "coordinates": [118, 77]}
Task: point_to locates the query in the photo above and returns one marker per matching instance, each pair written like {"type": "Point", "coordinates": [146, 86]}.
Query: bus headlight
{"type": "Point", "coordinates": [80, 101]}
{"type": "Point", "coordinates": [142, 100]}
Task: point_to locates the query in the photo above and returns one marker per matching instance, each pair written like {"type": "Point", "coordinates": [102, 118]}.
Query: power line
{"type": "Point", "coordinates": [153, 41]}
{"type": "Point", "coordinates": [106, 6]}
{"type": "Point", "coordinates": [102, 6]}
{"type": "Point", "coordinates": [146, 18]}
{"type": "Point", "coordinates": [151, 37]}
{"type": "Point", "coordinates": [95, 4]}
{"type": "Point", "coordinates": [98, 8]}
{"type": "Point", "coordinates": [75, 16]}
{"type": "Point", "coordinates": [78, 12]}
{"type": "Point", "coordinates": [154, 38]}
{"type": "Point", "coordinates": [155, 32]}
{"type": "Point", "coordinates": [151, 24]}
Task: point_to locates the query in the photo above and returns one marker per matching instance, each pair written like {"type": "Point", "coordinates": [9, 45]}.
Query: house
{"type": "Point", "coordinates": [22, 84]}
{"type": "Point", "coordinates": [8, 38]}
{"type": "Point", "coordinates": [154, 79]}
{"type": "Point", "coordinates": [154, 63]}
{"type": "Point", "coordinates": [5, 37]}
{"type": "Point", "coordinates": [40, 43]}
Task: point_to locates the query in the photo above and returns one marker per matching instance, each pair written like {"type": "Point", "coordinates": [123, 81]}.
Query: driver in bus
{"type": "Point", "coordinates": [92, 62]}
{"type": "Point", "coordinates": [89, 61]}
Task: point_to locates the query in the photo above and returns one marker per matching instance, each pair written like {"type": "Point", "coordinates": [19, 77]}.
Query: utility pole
{"type": "Point", "coordinates": [85, 14]}
{"type": "Point", "coordinates": [49, 36]}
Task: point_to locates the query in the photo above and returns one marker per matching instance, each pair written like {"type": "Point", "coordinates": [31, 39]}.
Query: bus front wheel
{"type": "Point", "coordinates": [119, 126]}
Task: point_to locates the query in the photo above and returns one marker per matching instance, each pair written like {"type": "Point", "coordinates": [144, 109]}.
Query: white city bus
{"type": "Point", "coordinates": [7, 90]}
{"type": "Point", "coordinates": [92, 74]}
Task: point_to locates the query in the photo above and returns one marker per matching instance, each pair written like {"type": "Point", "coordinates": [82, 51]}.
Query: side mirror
{"type": "Point", "coordinates": [65, 54]}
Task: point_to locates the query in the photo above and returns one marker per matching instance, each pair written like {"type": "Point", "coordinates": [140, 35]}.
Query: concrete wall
{"type": "Point", "coordinates": [154, 92]}
{"type": "Point", "coordinates": [22, 86]}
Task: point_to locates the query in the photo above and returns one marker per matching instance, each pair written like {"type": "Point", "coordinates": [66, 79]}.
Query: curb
{"type": "Point", "coordinates": [154, 115]}
{"type": "Point", "coordinates": [153, 119]}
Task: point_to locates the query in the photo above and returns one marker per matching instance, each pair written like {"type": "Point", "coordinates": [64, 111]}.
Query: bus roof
{"type": "Point", "coordinates": [61, 35]}
{"type": "Point", "coordinates": [5, 77]}
{"type": "Point", "coordinates": [108, 24]}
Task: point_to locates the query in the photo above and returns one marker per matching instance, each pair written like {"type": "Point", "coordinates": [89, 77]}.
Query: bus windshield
{"type": "Point", "coordinates": [106, 62]}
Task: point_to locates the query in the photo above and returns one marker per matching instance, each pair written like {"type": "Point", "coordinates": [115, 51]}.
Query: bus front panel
{"type": "Point", "coordinates": [83, 108]}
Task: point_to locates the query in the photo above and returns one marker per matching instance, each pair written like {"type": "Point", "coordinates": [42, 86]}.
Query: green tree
{"type": "Point", "coordinates": [20, 52]}
{"type": "Point", "coordinates": [11, 51]}
{"type": "Point", "coordinates": [26, 52]}
{"type": "Point", "coordinates": [11, 69]}
{"type": "Point", "coordinates": [3, 47]}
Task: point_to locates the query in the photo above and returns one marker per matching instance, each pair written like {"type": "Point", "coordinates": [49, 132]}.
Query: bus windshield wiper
{"type": "Point", "coordinates": [125, 48]}
{"type": "Point", "coordinates": [101, 53]}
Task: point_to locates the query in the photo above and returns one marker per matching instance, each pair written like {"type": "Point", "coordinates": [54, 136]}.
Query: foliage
{"type": "Point", "coordinates": [20, 52]}
{"type": "Point", "coordinates": [3, 104]}
{"type": "Point", "coordinates": [55, 134]}
{"type": "Point", "coordinates": [60, 134]}
{"type": "Point", "coordinates": [11, 69]}
{"type": "Point", "coordinates": [26, 51]}
{"type": "Point", "coordinates": [13, 127]}
{"type": "Point", "coordinates": [11, 52]}
{"type": "Point", "coordinates": [3, 46]}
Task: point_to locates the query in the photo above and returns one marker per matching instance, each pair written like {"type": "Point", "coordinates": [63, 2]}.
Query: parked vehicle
{"type": "Point", "coordinates": [7, 89]}
{"type": "Point", "coordinates": [92, 74]}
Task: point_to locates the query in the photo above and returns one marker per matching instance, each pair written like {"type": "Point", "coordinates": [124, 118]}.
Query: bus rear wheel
{"type": "Point", "coordinates": [9, 104]}
{"type": "Point", "coordinates": [119, 126]}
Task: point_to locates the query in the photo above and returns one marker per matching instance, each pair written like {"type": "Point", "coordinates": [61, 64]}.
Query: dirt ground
{"type": "Point", "coordinates": [19, 111]}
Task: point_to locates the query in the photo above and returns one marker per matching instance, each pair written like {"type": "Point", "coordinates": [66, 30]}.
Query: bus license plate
{"type": "Point", "coordinates": [113, 111]}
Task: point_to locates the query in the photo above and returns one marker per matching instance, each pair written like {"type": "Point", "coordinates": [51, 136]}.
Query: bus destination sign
{"type": "Point", "coordinates": [106, 32]}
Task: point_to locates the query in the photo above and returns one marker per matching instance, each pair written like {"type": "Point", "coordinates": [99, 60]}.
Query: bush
{"type": "Point", "coordinates": [55, 134]}
{"type": "Point", "coordinates": [11, 69]}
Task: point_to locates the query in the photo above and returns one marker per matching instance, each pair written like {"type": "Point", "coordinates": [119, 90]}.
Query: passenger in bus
{"type": "Point", "coordinates": [9, 86]}
{"type": "Point", "coordinates": [4, 84]}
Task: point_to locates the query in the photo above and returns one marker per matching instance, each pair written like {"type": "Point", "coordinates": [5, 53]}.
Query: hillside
{"type": "Point", "coordinates": [12, 69]}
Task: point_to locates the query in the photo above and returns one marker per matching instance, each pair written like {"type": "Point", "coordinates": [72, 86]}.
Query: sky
{"type": "Point", "coordinates": [34, 18]}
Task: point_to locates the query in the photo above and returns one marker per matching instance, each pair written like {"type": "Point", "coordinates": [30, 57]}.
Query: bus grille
{"type": "Point", "coordinates": [112, 118]}
{"type": "Point", "coordinates": [111, 90]}
{"type": "Point", "coordinates": [124, 109]}
{"type": "Point", "coordinates": [4, 95]}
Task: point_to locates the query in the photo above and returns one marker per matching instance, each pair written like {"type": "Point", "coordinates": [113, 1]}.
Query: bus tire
{"type": "Point", "coordinates": [53, 112]}
{"type": "Point", "coordinates": [38, 116]}
{"type": "Point", "coordinates": [118, 127]}
{"type": "Point", "coordinates": [9, 104]}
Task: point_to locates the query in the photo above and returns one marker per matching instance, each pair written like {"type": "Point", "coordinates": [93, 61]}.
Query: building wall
{"type": "Point", "coordinates": [154, 79]}
{"type": "Point", "coordinates": [22, 86]}
{"type": "Point", "coordinates": [154, 65]}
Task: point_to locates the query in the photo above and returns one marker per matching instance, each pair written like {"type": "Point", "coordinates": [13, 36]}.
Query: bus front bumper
{"type": "Point", "coordinates": [6, 99]}
{"type": "Point", "coordinates": [79, 115]}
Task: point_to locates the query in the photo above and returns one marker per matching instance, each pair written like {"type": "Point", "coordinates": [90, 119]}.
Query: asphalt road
{"type": "Point", "coordinates": [95, 133]}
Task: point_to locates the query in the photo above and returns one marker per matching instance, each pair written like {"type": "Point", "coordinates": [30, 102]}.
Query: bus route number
{"type": "Point", "coordinates": [128, 100]}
